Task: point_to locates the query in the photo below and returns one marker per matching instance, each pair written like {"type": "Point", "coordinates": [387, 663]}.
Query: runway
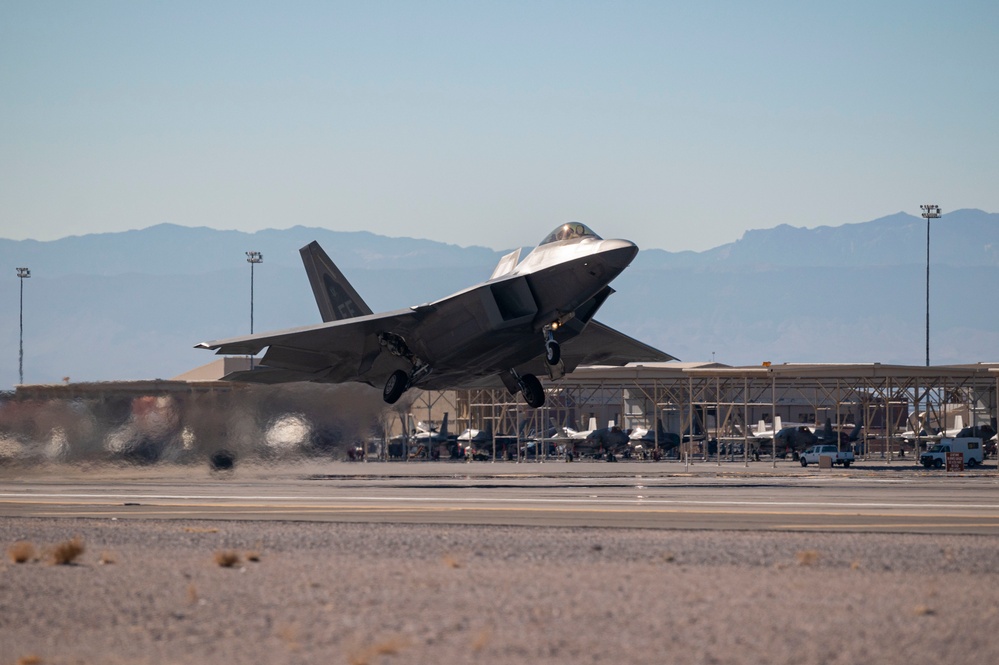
{"type": "Point", "coordinates": [628, 495]}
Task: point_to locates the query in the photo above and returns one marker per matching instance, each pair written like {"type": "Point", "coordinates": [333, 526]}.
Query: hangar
{"type": "Point", "coordinates": [726, 402]}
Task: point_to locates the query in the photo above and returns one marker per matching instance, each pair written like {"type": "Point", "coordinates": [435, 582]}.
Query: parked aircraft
{"type": "Point", "coordinates": [472, 435]}
{"type": "Point", "coordinates": [422, 440]}
{"type": "Point", "coordinates": [428, 434]}
{"type": "Point", "coordinates": [794, 438]}
{"type": "Point", "coordinates": [478, 443]}
{"type": "Point", "coordinates": [597, 440]}
{"type": "Point", "coordinates": [530, 317]}
{"type": "Point", "coordinates": [827, 434]}
{"type": "Point", "coordinates": [764, 433]}
{"type": "Point", "coordinates": [647, 439]}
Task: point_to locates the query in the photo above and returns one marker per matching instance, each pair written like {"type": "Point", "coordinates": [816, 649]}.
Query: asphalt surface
{"type": "Point", "coordinates": [866, 498]}
{"type": "Point", "coordinates": [501, 563]}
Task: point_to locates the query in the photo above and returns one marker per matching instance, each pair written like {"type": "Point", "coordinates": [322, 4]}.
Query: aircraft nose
{"type": "Point", "coordinates": [618, 253]}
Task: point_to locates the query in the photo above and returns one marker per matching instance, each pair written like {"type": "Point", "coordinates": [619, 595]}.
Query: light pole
{"type": "Point", "coordinates": [23, 274]}
{"type": "Point", "coordinates": [253, 258]}
{"type": "Point", "coordinates": [930, 211]}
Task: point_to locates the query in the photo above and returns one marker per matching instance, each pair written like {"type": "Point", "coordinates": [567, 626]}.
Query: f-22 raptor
{"type": "Point", "coordinates": [530, 317]}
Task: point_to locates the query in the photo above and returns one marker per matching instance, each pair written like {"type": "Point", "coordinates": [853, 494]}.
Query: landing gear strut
{"type": "Point", "coordinates": [399, 381]}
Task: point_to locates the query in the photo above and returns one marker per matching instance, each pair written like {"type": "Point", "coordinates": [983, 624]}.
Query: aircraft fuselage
{"type": "Point", "coordinates": [486, 327]}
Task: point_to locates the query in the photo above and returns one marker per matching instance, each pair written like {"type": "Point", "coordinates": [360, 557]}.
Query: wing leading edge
{"type": "Point", "coordinates": [347, 350]}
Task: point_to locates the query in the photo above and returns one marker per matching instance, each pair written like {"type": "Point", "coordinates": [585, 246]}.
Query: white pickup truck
{"type": "Point", "coordinates": [812, 455]}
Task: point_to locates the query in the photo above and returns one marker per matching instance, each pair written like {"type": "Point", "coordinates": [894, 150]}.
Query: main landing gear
{"type": "Point", "coordinates": [400, 381]}
{"type": "Point", "coordinates": [395, 386]}
{"type": "Point", "coordinates": [533, 391]}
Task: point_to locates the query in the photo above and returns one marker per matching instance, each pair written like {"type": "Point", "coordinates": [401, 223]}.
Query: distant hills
{"type": "Point", "coordinates": [132, 305]}
{"type": "Point", "coordinates": [963, 237]}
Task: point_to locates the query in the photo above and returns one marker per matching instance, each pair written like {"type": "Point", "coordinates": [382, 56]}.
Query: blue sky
{"type": "Point", "coordinates": [676, 125]}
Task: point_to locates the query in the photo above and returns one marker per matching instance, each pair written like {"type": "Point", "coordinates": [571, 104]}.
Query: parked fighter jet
{"type": "Point", "coordinates": [429, 434]}
{"type": "Point", "coordinates": [610, 439]}
{"type": "Point", "coordinates": [649, 438]}
{"type": "Point", "coordinates": [794, 438]}
{"type": "Point", "coordinates": [827, 434]}
{"type": "Point", "coordinates": [530, 317]}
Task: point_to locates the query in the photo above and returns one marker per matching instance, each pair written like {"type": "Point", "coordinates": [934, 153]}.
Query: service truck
{"type": "Point", "coordinates": [812, 455]}
{"type": "Point", "coordinates": [971, 446]}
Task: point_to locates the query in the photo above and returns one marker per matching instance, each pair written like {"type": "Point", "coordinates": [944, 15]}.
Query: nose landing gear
{"type": "Point", "coordinates": [553, 352]}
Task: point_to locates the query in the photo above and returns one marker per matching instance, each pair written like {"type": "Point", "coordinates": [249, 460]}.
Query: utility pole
{"type": "Point", "coordinates": [253, 258]}
{"type": "Point", "coordinates": [23, 274]}
{"type": "Point", "coordinates": [930, 211]}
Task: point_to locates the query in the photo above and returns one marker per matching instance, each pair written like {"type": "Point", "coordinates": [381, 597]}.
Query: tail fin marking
{"type": "Point", "coordinates": [335, 297]}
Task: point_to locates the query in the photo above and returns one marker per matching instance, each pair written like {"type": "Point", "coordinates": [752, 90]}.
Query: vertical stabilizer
{"type": "Point", "coordinates": [959, 422]}
{"type": "Point", "coordinates": [506, 264]}
{"type": "Point", "coordinates": [336, 298]}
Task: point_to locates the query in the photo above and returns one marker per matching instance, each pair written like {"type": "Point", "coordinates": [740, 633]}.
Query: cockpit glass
{"type": "Point", "coordinates": [570, 231]}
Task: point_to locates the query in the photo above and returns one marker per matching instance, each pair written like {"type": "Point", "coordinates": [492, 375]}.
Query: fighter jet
{"type": "Point", "coordinates": [530, 317]}
{"type": "Point", "coordinates": [648, 438]}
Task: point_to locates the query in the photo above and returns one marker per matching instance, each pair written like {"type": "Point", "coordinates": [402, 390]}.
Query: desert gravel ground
{"type": "Point", "coordinates": [153, 592]}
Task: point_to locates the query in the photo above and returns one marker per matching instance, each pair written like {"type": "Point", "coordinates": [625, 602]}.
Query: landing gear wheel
{"type": "Point", "coordinates": [395, 386]}
{"type": "Point", "coordinates": [553, 352]}
{"type": "Point", "coordinates": [534, 393]}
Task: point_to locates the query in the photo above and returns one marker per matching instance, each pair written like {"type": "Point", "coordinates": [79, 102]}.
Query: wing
{"type": "Point", "coordinates": [346, 350]}
{"type": "Point", "coordinates": [598, 344]}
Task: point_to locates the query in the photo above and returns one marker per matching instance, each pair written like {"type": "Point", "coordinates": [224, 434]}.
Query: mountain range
{"type": "Point", "coordinates": [132, 305]}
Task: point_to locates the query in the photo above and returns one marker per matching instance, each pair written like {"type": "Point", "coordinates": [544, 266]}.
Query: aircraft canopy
{"type": "Point", "coordinates": [570, 231]}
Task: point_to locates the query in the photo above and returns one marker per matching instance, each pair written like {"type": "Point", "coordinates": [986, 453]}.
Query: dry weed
{"type": "Point", "coordinates": [227, 558]}
{"type": "Point", "coordinates": [65, 553]}
{"type": "Point", "coordinates": [923, 611]}
{"type": "Point", "coordinates": [107, 558]}
{"type": "Point", "coordinates": [482, 639]}
{"type": "Point", "coordinates": [451, 561]}
{"type": "Point", "coordinates": [30, 659]}
{"type": "Point", "coordinates": [289, 635]}
{"type": "Point", "coordinates": [389, 647]}
{"type": "Point", "coordinates": [808, 557]}
{"type": "Point", "coordinates": [200, 529]}
{"type": "Point", "coordinates": [21, 552]}
{"type": "Point", "coordinates": [253, 556]}
{"type": "Point", "coordinates": [192, 594]}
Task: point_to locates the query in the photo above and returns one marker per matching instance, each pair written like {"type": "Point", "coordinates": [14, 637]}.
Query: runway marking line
{"type": "Point", "coordinates": [569, 500]}
{"type": "Point", "coordinates": [186, 508]}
